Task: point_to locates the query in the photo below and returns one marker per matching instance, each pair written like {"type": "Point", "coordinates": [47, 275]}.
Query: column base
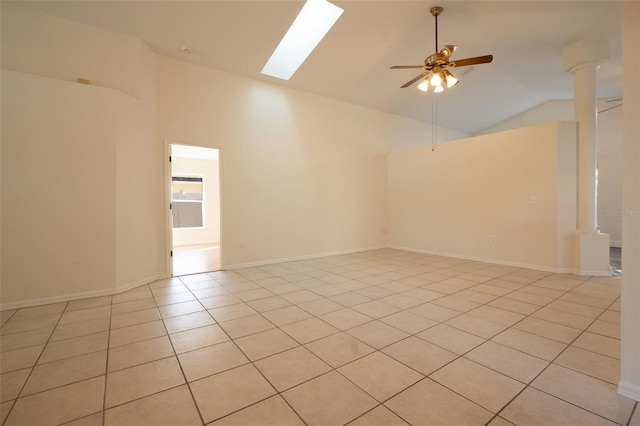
{"type": "Point", "coordinates": [591, 254]}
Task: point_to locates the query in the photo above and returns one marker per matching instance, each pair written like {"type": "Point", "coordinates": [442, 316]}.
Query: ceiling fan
{"type": "Point", "coordinates": [436, 67]}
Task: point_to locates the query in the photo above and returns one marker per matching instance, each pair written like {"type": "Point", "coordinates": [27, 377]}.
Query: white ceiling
{"type": "Point", "coordinates": [352, 63]}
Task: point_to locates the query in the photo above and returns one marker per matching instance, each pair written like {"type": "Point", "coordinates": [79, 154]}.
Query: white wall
{"type": "Point", "coordinates": [609, 136]}
{"type": "Point", "coordinates": [209, 170]}
{"type": "Point", "coordinates": [302, 175]}
{"type": "Point", "coordinates": [452, 200]}
{"type": "Point", "coordinates": [630, 354]}
{"type": "Point", "coordinates": [95, 143]}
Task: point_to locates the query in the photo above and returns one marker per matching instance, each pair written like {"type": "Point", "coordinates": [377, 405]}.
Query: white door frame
{"type": "Point", "coordinates": [167, 195]}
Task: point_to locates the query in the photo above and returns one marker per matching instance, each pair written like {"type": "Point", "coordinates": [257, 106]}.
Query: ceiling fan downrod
{"type": "Point", "coordinates": [436, 11]}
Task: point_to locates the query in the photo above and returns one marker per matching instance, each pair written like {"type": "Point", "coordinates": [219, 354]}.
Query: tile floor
{"type": "Point", "coordinates": [384, 337]}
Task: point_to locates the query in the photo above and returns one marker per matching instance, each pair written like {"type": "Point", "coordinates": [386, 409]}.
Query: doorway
{"type": "Point", "coordinates": [195, 209]}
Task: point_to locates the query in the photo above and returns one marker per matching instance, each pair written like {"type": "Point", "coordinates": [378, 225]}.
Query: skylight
{"type": "Point", "coordinates": [312, 23]}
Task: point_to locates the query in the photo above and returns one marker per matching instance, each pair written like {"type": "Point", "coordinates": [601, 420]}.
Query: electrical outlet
{"type": "Point", "coordinates": [243, 242]}
{"type": "Point", "coordinates": [493, 239]}
{"type": "Point", "coordinates": [154, 251]}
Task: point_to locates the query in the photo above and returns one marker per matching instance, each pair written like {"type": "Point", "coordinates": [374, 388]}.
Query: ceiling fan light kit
{"type": "Point", "coordinates": [436, 72]}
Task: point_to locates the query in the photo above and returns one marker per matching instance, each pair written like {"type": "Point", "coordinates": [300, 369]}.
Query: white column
{"type": "Point", "coordinates": [591, 248]}
{"type": "Point", "coordinates": [586, 116]}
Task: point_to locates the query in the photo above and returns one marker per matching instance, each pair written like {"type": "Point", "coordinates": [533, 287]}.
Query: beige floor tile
{"type": "Point", "coordinates": [182, 308]}
{"type": "Point", "coordinates": [550, 330]}
{"type": "Point", "coordinates": [172, 289]}
{"type": "Point", "coordinates": [268, 304]}
{"type": "Point", "coordinates": [483, 386]}
{"type": "Point", "coordinates": [591, 363]}
{"type": "Point", "coordinates": [403, 300]}
{"type": "Point", "coordinates": [286, 315]}
{"type": "Point", "coordinates": [133, 306]}
{"type": "Point", "coordinates": [171, 407]}
{"type": "Point", "coordinates": [27, 323]}
{"type": "Point", "coordinates": [18, 359]}
{"type": "Point", "coordinates": [320, 306]}
{"type": "Point", "coordinates": [85, 315]}
{"type": "Point", "coordinates": [349, 299]}
{"type": "Point", "coordinates": [380, 416]}
{"type": "Point", "coordinates": [10, 342]}
{"type": "Point", "coordinates": [292, 367]}
{"type": "Point", "coordinates": [611, 316]}
{"type": "Point", "coordinates": [246, 325]}
{"type": "Point", "coordinates": [575, 308]}
{"type": "Point", "coordinates": [510, 362]}
{"type": "Point", "coordinates": [596, 302]}
{"type": "Point", "coordinates": [259, 293]}
{"type": "Point", "coordinates": [514, 306]}
{"type": "Point", "coordinates": [476, 296]}
{"type": "Point", "coordinates": [135, 333]}
{"type": "Point", "coordinates": [273, 411]}
{"type": "Point", "coordinates": [62, 349]}
{"type": "Point", "coordinates": [380, 376]}
{"type": "Point", "coordinates": [232, 390]}
{"type": "Point", "coordinates": [143, 380]}
{"type": "Point", "coordinates": [434, 312]}
{"type": "Point", "coordinates": [409, 322]}
{"type": "Point", "coordinates": [231, 312]}
{"type": "Point", "coordinates": [90, 420]}
{"type": "Point", "coordinates": [220, 301]}
{"type": "Point", "coordinates": [587, 392]}
{"type": "Point", "coordinates": [377, 334]}
{"type": "Point", "coordinates": [5, 407]}
{"type": "Point", "coordinates": [450, 338]}
{"type": "Point", "coordinates": [66, 371]}
{"type": "Point", "coordinates": [533, 407]}
{"type": "Point", "coordinates": [169, 299]}
{"type": "Point", "coordinates": [265, 343]}
{"type": "Point", "coordinates": [211, 360]}
{"type": "Point", "coordinates": [456, 303]}
{"type": "Point", "coordinates": [375, 309]}
{"type": "Point", "coordinates": [598, 343]}
{"type": "Point", "coordinates": [420, 355]}
{"type": "Point", "coordinates": [339, 349]}
{"type": "Point", "coordinates": [11, 383]}
{"type": "Point", "coordinates": [300, 296]}
{"type": "Point", "coordinates": [605, 328]}
{"type": "Point", "coordinates": [53, 308]}
{"type": "Point", "coordinates": [444, 407]}
{"type": "Point", "coordinates": [494, 290]}
{"type": "Point", "coordinates": [498, 315]}
{"type": "Point", "coordinates": [478, 326]}
{"type": "Point", "coordinates": [565, 318]}
{"type": "Point", "coordinates": [135, 294]}
{"type": "Point", "coordinates": [188, 321]}
{"type": "Point", "coordinates": [137, 353]}
{"type": "Point", "coordinates": [345, 318]}
{"type": "Point", "coordinates": [59, 405]}
{"type": "Point", "coordinates": [133, 318]}
{"type": "Point", "coordinates": [195, 338]}
{"type": "Point", "coordinates": [77, 329]}
{"type": "Point", "coordinates": [531, 344]}
{"type": "Point", "coordinates": [308, 330]}
{"type": "Point", "coordinates": [374, 292]}
{"type": "Point", "coordinates": [635, 419]}
{"type": "Point", "coordinates": [533, 299]}
{"type": "Point", "coordinates": [311, 399]}
{"type": "Point", "coordinates": [499, 421]}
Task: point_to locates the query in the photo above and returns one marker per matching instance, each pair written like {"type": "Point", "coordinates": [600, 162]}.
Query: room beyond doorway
{"type": "Point", "coordinates": [195, 209]}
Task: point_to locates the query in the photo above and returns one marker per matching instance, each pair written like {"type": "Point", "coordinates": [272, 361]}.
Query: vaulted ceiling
{"type": "Point", "coordinates": [352, 63]}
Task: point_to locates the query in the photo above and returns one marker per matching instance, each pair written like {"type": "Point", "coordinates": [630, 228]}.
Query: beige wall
{"type": "Point", "coordinates": [609, 137]}
{"type": "Point", "coordinates": [452, 200]}
{"type": "Point", "coordinates": [302, 175]}
{"type": "Point", "coordinates": [209, 169]}
{"type": "Point", "coordinates": [84, 219]}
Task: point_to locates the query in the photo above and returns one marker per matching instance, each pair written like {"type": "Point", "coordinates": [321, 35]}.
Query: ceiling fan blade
{"type": "Point", "coordinates": [410, 82]}
{"type": "Point", "coordinates": [446, 51]}
{"type": "Point", "coordinates": [401, 67]}
{"type": "Point", "coordinates": [473, 61]}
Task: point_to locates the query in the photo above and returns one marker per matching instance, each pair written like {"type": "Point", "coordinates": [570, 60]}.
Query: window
{"type": "Point", "coordinates": [187, 201]}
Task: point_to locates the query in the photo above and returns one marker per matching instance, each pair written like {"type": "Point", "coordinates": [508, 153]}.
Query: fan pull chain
{"type": "Point", "coordinates": [434, 121]}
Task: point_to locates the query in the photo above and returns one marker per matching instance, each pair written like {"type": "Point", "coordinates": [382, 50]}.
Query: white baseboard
{"type": "Point", "coordinates": [77, 296]}
{"type": "Point", "coordinates": [629, 390]}
{"type": "Point", "coordinates": [305, 257]}
{"type": "Point", "coordinates": [197, 243]}
{"type": "Point", "coordinates": [616, 244]}
{"type": "Point", "coordinates": [488, 260]}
